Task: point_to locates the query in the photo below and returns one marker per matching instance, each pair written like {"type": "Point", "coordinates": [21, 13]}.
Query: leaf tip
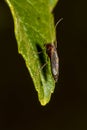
{"type": "Point", "coordinates": [44, 102]}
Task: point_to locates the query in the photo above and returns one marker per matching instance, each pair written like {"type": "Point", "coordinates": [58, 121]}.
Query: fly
{"type": "Point", "coordinates": [53, 55]}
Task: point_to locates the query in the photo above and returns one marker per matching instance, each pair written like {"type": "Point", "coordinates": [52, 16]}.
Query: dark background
{"type": "Point", "coordinates": [19, 106]}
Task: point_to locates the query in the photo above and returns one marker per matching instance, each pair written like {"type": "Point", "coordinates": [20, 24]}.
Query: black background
{"type": "Point", "coordinates": [19, 106]}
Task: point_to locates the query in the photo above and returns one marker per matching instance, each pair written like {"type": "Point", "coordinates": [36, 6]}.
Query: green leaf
{"type": "Point", "coordinates": [34, 27]}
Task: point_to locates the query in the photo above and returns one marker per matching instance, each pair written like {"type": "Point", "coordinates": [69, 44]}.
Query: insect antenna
{"type": "Point", "coordinates": [55, 29]}
{"type": "Point", "coordinates": [58, 22]}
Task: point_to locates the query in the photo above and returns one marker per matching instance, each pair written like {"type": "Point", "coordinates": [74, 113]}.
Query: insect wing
{"type": "Point", "coordinates": [55, 63]}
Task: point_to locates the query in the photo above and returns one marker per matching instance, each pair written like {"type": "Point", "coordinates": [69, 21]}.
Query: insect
{"type": "Point", "coordinates": [51, 50]}
{"type": "Point", "coordinates": [52, 53]}
{"type": "Point", "coordinates": [54, 60]}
